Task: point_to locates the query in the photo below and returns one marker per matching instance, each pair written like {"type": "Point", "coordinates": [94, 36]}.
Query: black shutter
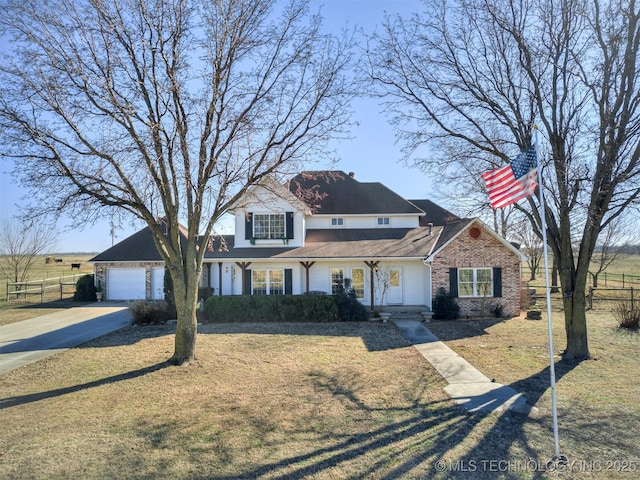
{"type": "Point", "coordinates": [247, 282]}
{"type": "Point", "coordinates": [288, 281]}
{"type": "Point", "coordinates": [497, 282]}
{"type": "Point", "coordinates": [289, 225]}
{"type": "Point", "coordinates": [453, 282]}
{"type": "Point", "coordinates": [248, 227]}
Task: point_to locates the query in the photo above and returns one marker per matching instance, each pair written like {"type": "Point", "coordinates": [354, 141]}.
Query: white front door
{"type": "Point", "coordinates": [394, 293]}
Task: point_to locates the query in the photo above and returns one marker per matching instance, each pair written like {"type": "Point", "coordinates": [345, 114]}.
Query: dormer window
{"type": "Point", "coordinates": [268, 226]}
{"type": "Point", "coordinates": [337, 222]}
{"type": "Point", "coordinates": [383, 221]}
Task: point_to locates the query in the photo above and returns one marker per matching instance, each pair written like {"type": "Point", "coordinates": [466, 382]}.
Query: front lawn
{"type": "Point", "coordinates": [331, 400]}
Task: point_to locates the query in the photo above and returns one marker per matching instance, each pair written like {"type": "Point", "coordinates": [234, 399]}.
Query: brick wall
{"type": "Point", "coordinates": [465, 251]}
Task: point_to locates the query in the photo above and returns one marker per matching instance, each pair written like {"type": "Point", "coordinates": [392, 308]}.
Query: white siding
{"type": "Point", "coordinates": [362, 221]}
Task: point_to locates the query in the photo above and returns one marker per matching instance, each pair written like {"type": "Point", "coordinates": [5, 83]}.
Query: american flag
{"type": "Point", "coordinates": [513, 182]}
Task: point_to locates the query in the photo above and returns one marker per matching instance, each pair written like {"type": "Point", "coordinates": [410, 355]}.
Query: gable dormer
{"type": "Point", "coordinates": [269, 215]}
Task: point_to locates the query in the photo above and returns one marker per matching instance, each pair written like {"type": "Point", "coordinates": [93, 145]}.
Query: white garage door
{"type": "Point", "coordinates": [126, 284]}
{"type": "Point", "coordinates": [157, 283]}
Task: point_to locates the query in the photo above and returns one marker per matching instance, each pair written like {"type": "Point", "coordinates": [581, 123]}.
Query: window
{"type": "Point", "coordinates": [475, 282]}
{"type": "Point", "coordinates": [337, 280]}
{"type": "Point", "coordinates": [267, 282]}
{"type": "Point", "coordinates": [383, 220]}
{"type": "Point", "coordinates": [337, 222]}
{"type": "Point", "coordinates": [357, 281]}
{"type": "Point", "coordinates": [268, 226]}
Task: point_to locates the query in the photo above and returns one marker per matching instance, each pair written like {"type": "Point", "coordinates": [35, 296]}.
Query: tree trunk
{"type": "Point", "coordinates": [185, 289]}
{"type": "Point", "coordinates": [575, 323]}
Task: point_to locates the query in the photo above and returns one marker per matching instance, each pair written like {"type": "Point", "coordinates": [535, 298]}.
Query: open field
{"type": "Point", "coordinates": [320, 401]}
{"type": "Point", "coordinates": [21, 308]}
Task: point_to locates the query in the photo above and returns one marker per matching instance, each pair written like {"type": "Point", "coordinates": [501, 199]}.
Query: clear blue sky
{"type": "Point", "coordinates": [372, 153]}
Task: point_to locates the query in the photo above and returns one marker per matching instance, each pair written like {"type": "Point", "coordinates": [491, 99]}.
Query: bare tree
{"type": "Point", "coordinates": [473, 78]}
{"type": "Point", "coordinates": [169, 108]}
{"type": "Point", "coordinates": [20, 246]}
{"type": "Point", "coordinates": [611, 245]}
{"type": "Point", "coordinates": [531, 245]}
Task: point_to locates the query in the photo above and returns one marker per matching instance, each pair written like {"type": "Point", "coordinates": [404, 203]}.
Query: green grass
{"type": "Point", "coordinates": [321, 401]}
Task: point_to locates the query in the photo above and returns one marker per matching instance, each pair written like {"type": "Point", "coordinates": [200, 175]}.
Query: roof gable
{"type": "Point", "coordinates": [454, 230]}
{"type": "Point", "coordinates": [262, 193]}
{"type": "Point", "coordinates": [336, 193]}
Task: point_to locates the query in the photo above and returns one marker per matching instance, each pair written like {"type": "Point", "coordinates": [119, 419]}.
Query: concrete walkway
{"type": "Point", "coordinates": [31, 340]}
{"type": "Point", "coordinates": [467, 386]}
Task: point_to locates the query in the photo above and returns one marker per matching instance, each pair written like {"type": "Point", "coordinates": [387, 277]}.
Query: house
{"type": "Point", "coordinates": [324, 227]}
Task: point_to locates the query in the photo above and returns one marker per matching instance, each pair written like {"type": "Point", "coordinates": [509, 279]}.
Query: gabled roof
{"type": "Point", "coordinates": [336, 193]}
{"type": "Point", "coordinates": [278, 190]}
{"type": "Point", "coordinates": [138, 247]}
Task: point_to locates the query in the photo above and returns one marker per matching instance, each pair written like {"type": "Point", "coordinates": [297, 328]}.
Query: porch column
{"type": "Point", "coordinates": [307, 266]}
{"type": "Point", "coordinates": [219, 279]}
{"type": "Point", "coordinates": [373, 265]}
{"type": "Point", "coordinates": [243, 266]}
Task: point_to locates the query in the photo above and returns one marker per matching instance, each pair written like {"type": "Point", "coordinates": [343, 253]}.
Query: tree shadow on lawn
{"type": "Point", "coordinates": [424, 443]}
{"type": "Point", "coordinates": [35, 397]}
{"type": "Point", "coordinates": [447, 330]}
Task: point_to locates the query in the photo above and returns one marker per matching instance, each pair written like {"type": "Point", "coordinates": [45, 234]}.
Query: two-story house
{"type": "Point", "coordinates": [324, 227]}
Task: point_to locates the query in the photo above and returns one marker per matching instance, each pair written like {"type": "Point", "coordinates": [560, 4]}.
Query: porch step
{"type": "Point", "coordinates": [423, 315]}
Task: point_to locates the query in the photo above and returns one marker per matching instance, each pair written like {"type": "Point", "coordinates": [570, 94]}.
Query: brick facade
{"type": "Point", "coordinates": [475, 249]}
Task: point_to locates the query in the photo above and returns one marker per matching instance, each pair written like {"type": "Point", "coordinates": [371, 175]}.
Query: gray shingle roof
{"type": "Point", "coordinates": [434, 213]}
{"type": "Point", "coordinates": [336, 193]}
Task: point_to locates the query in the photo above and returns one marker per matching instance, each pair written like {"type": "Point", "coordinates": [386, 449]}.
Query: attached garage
{"type": "Point", "coordinates": [126, 284]}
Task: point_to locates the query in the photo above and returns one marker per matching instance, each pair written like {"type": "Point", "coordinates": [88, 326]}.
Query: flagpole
{"type": "Point", "coordinates": [552, 370]}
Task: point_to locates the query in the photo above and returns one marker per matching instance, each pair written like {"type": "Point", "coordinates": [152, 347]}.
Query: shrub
{"type": "Point", "coordinates": [349, 308]}
{"type": "Point", "coordinates": [153, 312]}
{"type": "Point", "coordinates": [270, 308]}
{"type": "Point", "coordinates": [85, 289]}
{"type": "Point", "coordinates": [445, 306]}
{"type": "Point", "coordinates": [204, 293]}
{"type": "Point", "coordinates": [628, 315]}
{"type": "Point", "coordinates": [497, 310]}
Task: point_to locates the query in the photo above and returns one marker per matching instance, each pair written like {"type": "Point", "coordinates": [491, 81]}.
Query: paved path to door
{"type": "Point", "coordinates": [31, 340]}
{"type": "Point", "coordinates": [467, 387]}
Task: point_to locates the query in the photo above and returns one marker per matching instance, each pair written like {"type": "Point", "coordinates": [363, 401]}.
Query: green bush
{"type": "Point", "coordinates": [270, 308]}
{"type": "Point", "coordinates": [204, 293]}
{"type": "Point", "coordinates": [155, 312]}
{"type": "Point", "coordinates": [349, 308]}
{"type": "Point", "coordinates": [445, 306]}
{"type": "Point", "coordinates": [85, 290]}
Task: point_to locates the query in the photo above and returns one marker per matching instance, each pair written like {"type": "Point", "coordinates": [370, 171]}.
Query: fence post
{"type": "Point", "coordinates": [590, 298]}
{"type": "Point", "coordinates": [623, 280]}
{"type": "Point", "coordinates": [42, 291]}
{"type": "Point", "coordinates": [632, 299]}
{"type": "Point", "coordinates": [605, 279]}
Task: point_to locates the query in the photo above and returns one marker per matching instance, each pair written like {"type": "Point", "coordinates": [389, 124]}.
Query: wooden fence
{"type": "Point", "coordinates": [47, 288]}
{"type": "Point", "coordinates": [605, 297]}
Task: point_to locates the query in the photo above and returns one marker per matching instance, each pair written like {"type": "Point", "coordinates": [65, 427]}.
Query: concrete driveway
{"type": "Point", "coordinates": [31, 340]}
